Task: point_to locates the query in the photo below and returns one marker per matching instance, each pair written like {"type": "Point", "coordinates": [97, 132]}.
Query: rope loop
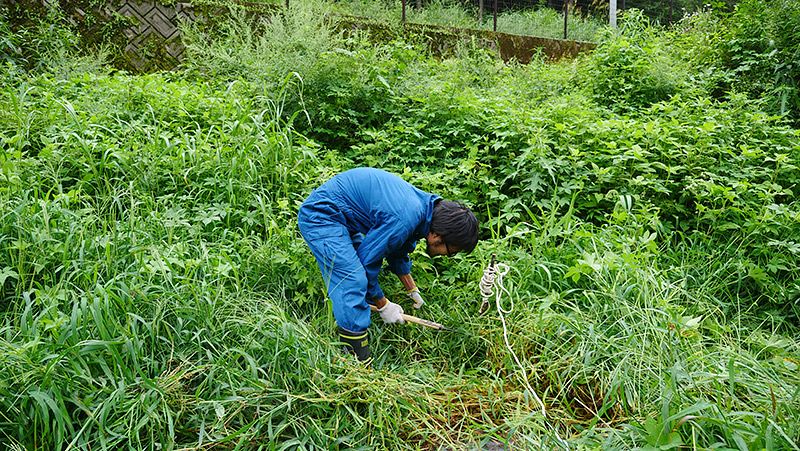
{"type": "Point", "coordinates": [493, 274]}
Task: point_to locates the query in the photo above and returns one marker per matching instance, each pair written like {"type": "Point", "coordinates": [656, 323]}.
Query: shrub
{"type": "Point", "coordinates": [632, 68]}
{"type": "Point", "coordinates": [42, 39]}
{"type": "Point", "coordinates": [261, 47]}
{"type": "Point", "coordinates": [762, 46]}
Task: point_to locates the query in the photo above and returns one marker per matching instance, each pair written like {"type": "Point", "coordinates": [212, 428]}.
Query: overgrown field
{"type": "Point", "coordinates": [155, 293]}
{"type": "Point", "coordinates": [542, 21]}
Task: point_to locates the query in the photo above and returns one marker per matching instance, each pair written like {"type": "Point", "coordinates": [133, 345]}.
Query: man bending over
{"type": "Point", "coordinates": [359, 218]}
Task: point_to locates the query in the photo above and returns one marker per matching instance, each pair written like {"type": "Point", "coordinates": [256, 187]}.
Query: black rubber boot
{"type": "Point", "coordinates": [356, 343]}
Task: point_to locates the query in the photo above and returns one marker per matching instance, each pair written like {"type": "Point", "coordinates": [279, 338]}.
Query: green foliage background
{"type": "Point", "coordinates": [155, 292]}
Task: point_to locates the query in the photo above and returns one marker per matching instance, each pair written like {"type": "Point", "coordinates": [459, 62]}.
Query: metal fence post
{"type": "Point", "coordinates": [612, 13]}
{"type": "Point", "coordinates": [671, 2]}
{"type": "Point", "coordinates": [495, 16]}
{"type": "Point", "coordinates": [566, 14]}
{"type": "Point", "coordinates": [404, 11]}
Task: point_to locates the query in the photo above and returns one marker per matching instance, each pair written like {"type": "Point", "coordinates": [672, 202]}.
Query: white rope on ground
{"type": "Point", "coordinates": [493, 274]}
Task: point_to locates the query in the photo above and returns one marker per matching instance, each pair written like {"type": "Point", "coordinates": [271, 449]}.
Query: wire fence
{"type": "Point", "coordinates": [492, 8]}
{"type": "Point", "coordinates": [566, 19]}
{"type": "Point", "coordinates": [659, 10]}
{"type": "Point", "coordinates": [506, 15]}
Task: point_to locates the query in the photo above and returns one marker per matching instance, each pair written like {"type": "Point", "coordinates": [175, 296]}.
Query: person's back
{"type": "Point", "coordinates": [366, 196]}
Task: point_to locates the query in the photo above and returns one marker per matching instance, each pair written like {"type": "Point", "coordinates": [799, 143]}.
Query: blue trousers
{"type": "Point", "coordinates": [323, 228]}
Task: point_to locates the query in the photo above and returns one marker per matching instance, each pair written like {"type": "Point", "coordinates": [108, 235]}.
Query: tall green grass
{"type": "Point", "coordinates": [542, 22]}
{"type": "Point", "coordinates": [155, 293]}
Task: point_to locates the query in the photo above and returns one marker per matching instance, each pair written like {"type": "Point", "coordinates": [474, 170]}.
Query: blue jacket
{"type": "Point", "coordinates": [382, 211]}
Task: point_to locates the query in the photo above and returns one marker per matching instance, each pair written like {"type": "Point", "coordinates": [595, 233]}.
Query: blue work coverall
{"type": "Point", "coordinates": [352, 223]}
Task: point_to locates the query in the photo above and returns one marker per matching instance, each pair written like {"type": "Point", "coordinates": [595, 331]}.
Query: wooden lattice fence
{"type": "Point", "coordinates": [152, 32]}
{"type": "Point", "coordinates": [155, 22]}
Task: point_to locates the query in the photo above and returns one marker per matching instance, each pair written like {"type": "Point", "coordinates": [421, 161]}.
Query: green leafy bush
{"type": "Point", "coordinates": [763, 47]}
{"type": "Point", "coordinates": [263, 48]}
{"type": "Point", "coordinates": [38, 38]}
{"type": "Point", "coordinates": [632, 67]}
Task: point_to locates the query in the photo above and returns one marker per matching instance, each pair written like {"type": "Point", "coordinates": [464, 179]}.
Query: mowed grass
{"type": "Point", "coordinates": [157, 295]}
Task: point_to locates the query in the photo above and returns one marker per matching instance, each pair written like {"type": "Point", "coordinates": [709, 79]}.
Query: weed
{"type": "Point", "coordinates": [155, 293]}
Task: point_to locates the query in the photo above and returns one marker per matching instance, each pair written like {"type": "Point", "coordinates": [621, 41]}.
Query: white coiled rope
{"type": "Point", "coordinates": [493, 274]}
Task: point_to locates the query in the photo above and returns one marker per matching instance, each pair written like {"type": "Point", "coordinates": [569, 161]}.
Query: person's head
{"type": "Point", "coordinates": [454, 229]}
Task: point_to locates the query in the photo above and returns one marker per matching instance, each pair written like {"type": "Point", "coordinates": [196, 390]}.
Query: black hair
{"type": "Point", "coordinates": [456, 224]}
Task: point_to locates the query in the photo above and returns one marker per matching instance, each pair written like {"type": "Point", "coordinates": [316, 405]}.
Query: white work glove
{"type": "Point", "coordinates": [415, 296]}
{"type": "Point", "coordinates": [391, 313]}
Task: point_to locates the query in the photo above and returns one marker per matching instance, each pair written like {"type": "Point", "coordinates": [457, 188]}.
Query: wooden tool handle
{"type": "Point", "coordinates": [415, 320]}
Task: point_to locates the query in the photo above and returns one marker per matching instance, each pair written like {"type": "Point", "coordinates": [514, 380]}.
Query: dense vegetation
{"type": "Point", "coordinates": [155, 293]}
{"type": "Point", "coordinates": [532, 21]}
